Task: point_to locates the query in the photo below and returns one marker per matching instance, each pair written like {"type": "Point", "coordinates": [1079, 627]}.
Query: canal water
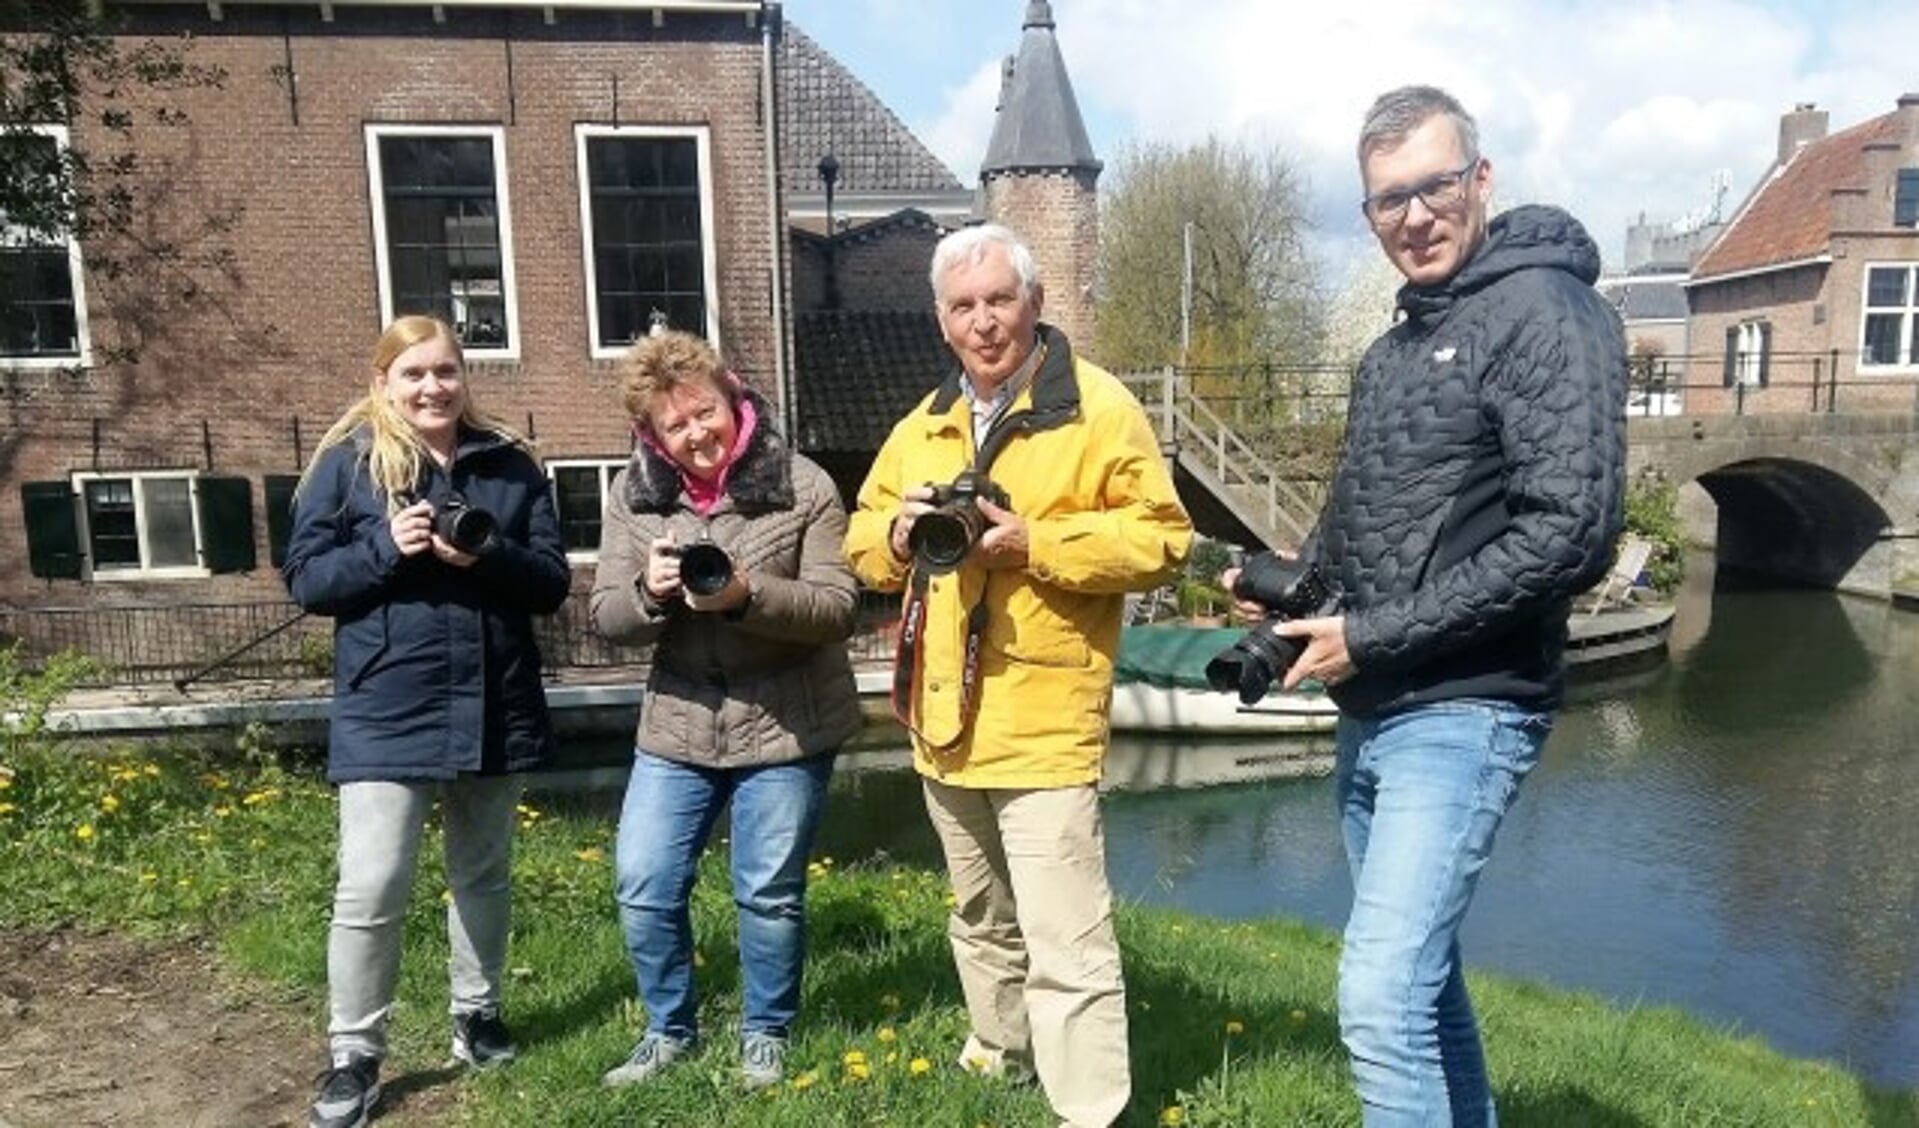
{"type": "Point", "coordinates": [1734, 831]}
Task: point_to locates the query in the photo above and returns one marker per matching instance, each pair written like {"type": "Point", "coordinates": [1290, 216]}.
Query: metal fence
{"type": "Point", "coordinates": [214, 642]}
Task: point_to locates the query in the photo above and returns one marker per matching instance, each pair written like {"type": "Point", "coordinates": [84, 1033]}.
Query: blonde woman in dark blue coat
{"type": "Point", "coordinates": [427, 532]}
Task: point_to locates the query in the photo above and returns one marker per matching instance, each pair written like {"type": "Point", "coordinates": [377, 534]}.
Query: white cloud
{"type": "Point", "coordinates": [958, 134]}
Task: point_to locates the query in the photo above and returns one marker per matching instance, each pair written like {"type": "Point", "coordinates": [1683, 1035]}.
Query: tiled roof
{"type": "Point", "coordinates": [1789, 217]}
{"type": "Point", "coordinates": [1637, 298]}
{"type": "Point", "coordinates": [825, 109]}
{"type": "Point", "coordinates": [1038, 126]}
{"type": "Point", "coordinates": [854, 231]}
{"type": "Point", "coordinates": [858, 372]}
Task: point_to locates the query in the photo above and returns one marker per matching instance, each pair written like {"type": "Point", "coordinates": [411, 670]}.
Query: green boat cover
{"type": "Point", "coordinates": [1173, 657]}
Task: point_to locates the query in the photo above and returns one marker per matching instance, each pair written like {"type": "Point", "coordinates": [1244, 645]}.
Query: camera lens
{"type": "Point", "coordinates": [1251, 665]}
{"type": "Point", "coordinates": [465, 528]}
{"type": "Point", "coordinates": [705, 568]}
{"type": "Point", "coordinates": [939, 540]}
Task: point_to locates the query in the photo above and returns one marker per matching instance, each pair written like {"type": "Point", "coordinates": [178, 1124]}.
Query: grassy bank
{"type": "Point", "coordinates": [1231, 1023]}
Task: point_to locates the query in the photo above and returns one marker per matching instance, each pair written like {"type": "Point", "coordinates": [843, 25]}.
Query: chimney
{"type": "Point", "coordinates": [1802, 125]}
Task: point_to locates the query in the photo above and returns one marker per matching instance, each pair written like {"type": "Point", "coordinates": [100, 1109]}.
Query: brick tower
{"type": "Point", "coordinates": [1040, 176]}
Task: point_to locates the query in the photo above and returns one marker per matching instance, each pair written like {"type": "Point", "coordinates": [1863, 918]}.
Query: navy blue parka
{"type": "Point", "coordinates": [435, 668]}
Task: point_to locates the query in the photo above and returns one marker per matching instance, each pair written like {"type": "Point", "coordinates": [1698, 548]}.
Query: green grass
{"type": "Point", "coordinates": [1231, 1022]}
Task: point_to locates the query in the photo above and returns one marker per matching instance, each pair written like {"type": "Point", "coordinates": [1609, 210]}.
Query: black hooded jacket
{"type": "Point", "coordinates": [1481, 485]}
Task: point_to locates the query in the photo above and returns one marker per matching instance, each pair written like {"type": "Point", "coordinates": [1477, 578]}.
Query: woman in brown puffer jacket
{"type": "Point", "coordinates": [722, 548]}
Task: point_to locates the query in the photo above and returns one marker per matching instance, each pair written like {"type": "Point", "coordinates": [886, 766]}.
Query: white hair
{"type": "Point", "coordinates": [968, 245]}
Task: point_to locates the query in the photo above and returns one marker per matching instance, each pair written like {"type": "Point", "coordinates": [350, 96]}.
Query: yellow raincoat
{"type": "Point", "coordinates": [1102, 520]}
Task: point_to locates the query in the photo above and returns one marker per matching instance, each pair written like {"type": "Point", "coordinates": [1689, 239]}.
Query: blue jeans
{"type": "Point", "coordinates": [670, 809]}
{"type": "Point", "coordinates": [1421, 794]}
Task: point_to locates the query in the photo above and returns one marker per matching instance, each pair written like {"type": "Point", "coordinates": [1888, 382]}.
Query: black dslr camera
{"type": "Point", "coordinates": [705, 568]}
{"type": "Point", "coordinates": [939, 540]}
{"type": "Point", "coordinates": [469, 528]}
{"type": "Point", "coordinates": [1288, 590]}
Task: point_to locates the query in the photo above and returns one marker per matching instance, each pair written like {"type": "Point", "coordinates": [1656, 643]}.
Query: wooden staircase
{"type": "Point", "coordinates": [1278, 511]}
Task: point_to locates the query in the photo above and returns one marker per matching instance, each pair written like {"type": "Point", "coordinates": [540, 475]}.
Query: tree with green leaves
{"type": "Point", "coordinates": [1254, 295]}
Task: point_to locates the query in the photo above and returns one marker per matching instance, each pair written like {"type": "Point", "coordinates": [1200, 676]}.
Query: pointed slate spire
{"type": "Point", "coordinates": [1039, 126]}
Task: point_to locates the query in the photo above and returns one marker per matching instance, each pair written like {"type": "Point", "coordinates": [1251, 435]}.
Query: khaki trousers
{"type": "Point", "coordinates": [1032, 935]}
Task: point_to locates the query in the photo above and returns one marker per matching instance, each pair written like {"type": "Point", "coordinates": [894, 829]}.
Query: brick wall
{"type": "Point", "coordinates": [243, 376]}
{"type": "Point", "coordinates": [1057, 214]}
{"type": "Point", "coordinates": [885, 270]}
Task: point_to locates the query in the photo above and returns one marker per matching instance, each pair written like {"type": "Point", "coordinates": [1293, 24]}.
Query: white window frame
{"type": "Point", "coordinates": [145, 571]}
{"type": "Point", "coordinates": [607, 467]}
{"type": "Point", "coordinates": [376, 193]}
{"type": "Point", "coordinates": [1908, 318]}
{"type": "Point", "coordinates": [76, 272]}
{"type": "Point", "coordinates": [1749, 360]}
{"type": "Point", "coordinates": [709, 257]}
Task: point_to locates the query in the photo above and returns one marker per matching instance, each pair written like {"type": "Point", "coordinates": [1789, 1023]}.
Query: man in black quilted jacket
{"type": "Point", "coordinates": [1480, 488]}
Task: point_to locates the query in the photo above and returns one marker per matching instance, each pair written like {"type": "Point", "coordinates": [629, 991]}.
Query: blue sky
{"type": "Point", "coordinates": [1607, 108]}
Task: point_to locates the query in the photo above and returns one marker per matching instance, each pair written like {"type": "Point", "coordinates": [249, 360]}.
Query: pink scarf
{"type": "Point", "coordinates": [705, 493]}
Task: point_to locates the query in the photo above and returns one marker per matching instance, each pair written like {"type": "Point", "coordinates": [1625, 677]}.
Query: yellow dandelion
{"type": "Point", "coordinates": [892, 1056]}
{"type": "Point", "coordinates": [1297, 1016]}
{"type": "Point", "coordinates": [7, 808]}
{"type": "Point", "coordinates": [184, 882]}
{"type": "Point", "coordinates": [919, 1067]}
{"type": "Point", "coordinates": [886, 1034]}
{"type": "Point", "coordinates": [109, 803]}
{"type": "Point", "coordinates": [816, 871]}
{"type": "Point", "coordinates": [590, 854]}
{"type": "Point", "coordinates": [1172, 1114]}
{"type": "Point", "coordinates": [804, 1080]}
{"type": "Point", "coordinates": [1235, 1026]}
{"type": "Point", "coordinates": [854, 1057]}
{"type": "Point", "coordinates": [266, 795]}
{"type": "Point", "coordinates": [152, 771]}
{"type": "Point", "coordinates": [202, 838]}
{"type": "Point", "coordinates": [222, 811]}
{"type": "Point", "coordinates": [83, 832]}
{"type": "Point", "coordinates": [6, 778]}
{"type": "Point", "coordinates": [149, 877]}
{"type": "Point", "coordinates": [858, 1071]}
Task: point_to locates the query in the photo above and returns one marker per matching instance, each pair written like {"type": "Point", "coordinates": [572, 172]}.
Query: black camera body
{"type": "Point", "coordinates": [469, 528]}
{"type": "Point", "coordinates": [705, 568]}
{"type": "Point", "coordinates": [940, 539]}
{"type": "Point", "coordinates": [1288, 590]}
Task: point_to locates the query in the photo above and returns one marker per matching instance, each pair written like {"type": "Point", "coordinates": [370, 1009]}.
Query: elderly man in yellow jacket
{"type": "Point", "coordinates": [1014, 595]}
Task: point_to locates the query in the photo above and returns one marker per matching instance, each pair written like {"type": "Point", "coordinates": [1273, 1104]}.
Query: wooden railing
{"type": "Point", "coordinates": [1280, 510]}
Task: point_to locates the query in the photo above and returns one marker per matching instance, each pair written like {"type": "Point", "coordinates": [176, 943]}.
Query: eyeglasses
{"type": "Point", "coordinates": [1439, 192]}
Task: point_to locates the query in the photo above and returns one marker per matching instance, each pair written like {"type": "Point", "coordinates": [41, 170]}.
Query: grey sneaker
{"type": "Point", "coordinates": [762, 1060]}
{"type": "Point", "coordinates": [654, 1053]}
{"type": "Point", "coordinates": [481, 1040]}
{"type": "Point", "coordinates": [347, 1094]}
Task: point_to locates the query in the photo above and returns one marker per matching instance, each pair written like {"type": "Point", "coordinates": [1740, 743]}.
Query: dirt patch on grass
{"type": "Point", "coordinates": [99, 1029]}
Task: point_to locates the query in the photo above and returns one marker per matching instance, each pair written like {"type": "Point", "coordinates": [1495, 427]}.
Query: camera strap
{"type": "Point", "coordinates": [907, 661]}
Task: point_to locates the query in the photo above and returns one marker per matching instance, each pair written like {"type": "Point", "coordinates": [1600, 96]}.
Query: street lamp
{"type": "Point", "coordinates": [829, 169]}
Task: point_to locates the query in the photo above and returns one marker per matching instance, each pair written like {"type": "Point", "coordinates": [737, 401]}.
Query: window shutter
{"type": "Point", "coordinates": [226, 524]}
{"type": "Point", "coordinates": [1765, 352]}
{"type": "Point", "coordinates": [1905, 198]}
{"type": "Point", "coordinates": [1732, 355]}
{"type": "Point", "coordinates": [53, 530]}
{"type": "Point", "coordinates": [279, 498]}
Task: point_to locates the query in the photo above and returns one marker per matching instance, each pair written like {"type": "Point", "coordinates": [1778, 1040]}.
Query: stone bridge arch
{"type": "Point", "coordinates": [1818, 500]}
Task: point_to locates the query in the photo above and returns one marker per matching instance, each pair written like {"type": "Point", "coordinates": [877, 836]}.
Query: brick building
{"type": "Point", "coordinates": [551, 178]}
{"type": "Point", "coordinates": [1816, 278]}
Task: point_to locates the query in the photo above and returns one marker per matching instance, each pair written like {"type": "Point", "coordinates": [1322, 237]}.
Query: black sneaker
{"type": "Point", "coordinates": [347, 1094]}
{"type": "Point", "coordinates": [480, 1038]}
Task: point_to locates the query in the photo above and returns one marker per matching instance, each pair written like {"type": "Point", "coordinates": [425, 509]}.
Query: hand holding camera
{"type": "Point", "coordinates": [1287, 591]}
{"type": "Point", "coordinates": [939, 525]}
{"type": "Point", "coordinates": [701, 573]}
{"type": "Point", "coordinates": [456, 532]}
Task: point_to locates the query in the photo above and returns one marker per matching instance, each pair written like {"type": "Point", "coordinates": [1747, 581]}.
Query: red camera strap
{"type": "Point", "coordinates": [908, 662]}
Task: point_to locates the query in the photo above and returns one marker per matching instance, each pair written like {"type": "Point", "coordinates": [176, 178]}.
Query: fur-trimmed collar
{"type": "Point", "coordinates": [760, 481]}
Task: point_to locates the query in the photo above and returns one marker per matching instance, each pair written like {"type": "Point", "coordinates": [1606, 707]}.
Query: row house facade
{"type": "Point", "coordinates": [1810, 295]}
{"type": "Point", "coordinates": [550, 179]}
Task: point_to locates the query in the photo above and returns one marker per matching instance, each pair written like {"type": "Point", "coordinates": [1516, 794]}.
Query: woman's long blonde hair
{"type": "Point", "coordinates": [395, 453]}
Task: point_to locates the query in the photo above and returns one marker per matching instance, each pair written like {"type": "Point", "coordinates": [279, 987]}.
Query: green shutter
{"type": "Point", "coordinates": [226, 524]}
{"type": "Point", "coordinates": [53, 530]}
{"type": "Point", "coordinates": [279, 496]}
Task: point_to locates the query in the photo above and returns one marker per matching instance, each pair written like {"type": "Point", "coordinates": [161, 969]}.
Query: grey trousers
{"type": "Point", "coordinates": [380, 825]}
